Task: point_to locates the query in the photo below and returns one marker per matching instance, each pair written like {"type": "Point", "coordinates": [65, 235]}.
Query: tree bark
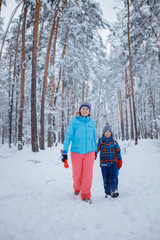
{"type": "Point", "coordinates": [11, 86]}
{"type": "Point", "coordinates": [121, 113]}
{"type": "Point", "coordinates": [131, 77]}
{"type": "Point", "coordinates": [52, 91]}
{"type": "Point", "coordinates": [3, 134]}
{"type": "Point", "coordinates": [0, 5]}
{"type": "Point", "coordinates": [154, 115]}
{"type": "Point", "coordinates": [83, 90]}
{"type": "Point", "coordinates": [10, 95]}
{"type": "Point", "coordinates": [130, 111]}
{"type": "Point", "coordinates": [126, 96]}
{"type": "Point", "coordinates": [87, 90]}
{"type": "Point", "coordinates": [58, 85]}
{"type": "Point", "coordinates": [74, 99]}
{"type": "Point", "coordinates": [20, 125]}
{"type": "Point", "coordinates": [60, 68]}
{"type": "Point", "coordinates": [98, 115]}
{"type": "Point", "coordinates": [40, 37]}
{"type": "Point", "coordinates": [42, 147]}
{"type": "Point", "coordinates": [5, 34]}
{"type": "Point", "coordinates": [105, 109]}
{"type": "Point", "coordinates": [33, 84]}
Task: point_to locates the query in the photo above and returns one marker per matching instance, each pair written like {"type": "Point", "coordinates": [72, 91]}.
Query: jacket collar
{"type": "Point", "coordinates": [107, 139]}
{"type": "Point", "coordinates": [83, 119]}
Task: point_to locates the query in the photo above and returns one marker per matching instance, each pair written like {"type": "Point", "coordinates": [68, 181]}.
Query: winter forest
{"type": "Point", "coordinates": [52, 57]}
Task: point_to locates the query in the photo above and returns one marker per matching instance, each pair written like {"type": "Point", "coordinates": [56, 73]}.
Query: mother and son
{"type": "Point", "coordinates": [81, 133]}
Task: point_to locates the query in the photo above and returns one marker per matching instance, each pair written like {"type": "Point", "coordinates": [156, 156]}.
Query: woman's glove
{"type": "Point", "coordinates": [64, 157]}
{"type": "Point", "coordinates": [119, 164]}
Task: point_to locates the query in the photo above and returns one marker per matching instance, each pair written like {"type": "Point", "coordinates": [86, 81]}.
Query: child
{"type": "Point", "coordinates": [110, 161]}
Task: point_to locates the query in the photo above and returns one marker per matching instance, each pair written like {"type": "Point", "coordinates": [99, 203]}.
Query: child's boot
{"type": "Point", "coordinates": [115, 194]}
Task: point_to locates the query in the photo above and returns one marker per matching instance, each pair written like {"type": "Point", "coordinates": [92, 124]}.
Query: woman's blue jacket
{"type": "Point", "coordinates": [82, 133]}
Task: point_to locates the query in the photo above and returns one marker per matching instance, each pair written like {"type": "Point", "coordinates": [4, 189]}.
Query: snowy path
{"type": "Point", "coordinates": [34, 208]}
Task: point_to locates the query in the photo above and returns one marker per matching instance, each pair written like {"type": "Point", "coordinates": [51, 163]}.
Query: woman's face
{"type": "Point", "coordinates": [84, 111]}
{"type": "Point", "coordinates": [107, 134]}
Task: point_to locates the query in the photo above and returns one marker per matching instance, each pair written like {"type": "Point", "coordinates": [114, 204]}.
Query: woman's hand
{"type": "Point", "coordinates": [64, 157]}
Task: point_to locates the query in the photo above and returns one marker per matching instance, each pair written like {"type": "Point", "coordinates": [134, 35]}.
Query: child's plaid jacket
{"type": "Point", "coordinates": [110, 152]}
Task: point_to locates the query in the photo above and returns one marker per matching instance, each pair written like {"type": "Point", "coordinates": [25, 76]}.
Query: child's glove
{"type": "Point", "coordinates": [64, 157]}
{"type": "Point", "coordinates": [95, 155]}
{"type": "Point", "coordinates": [119, 164]}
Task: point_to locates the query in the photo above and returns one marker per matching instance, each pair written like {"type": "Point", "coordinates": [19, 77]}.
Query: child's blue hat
{"type": "Point", "coordinates": [107, 127]}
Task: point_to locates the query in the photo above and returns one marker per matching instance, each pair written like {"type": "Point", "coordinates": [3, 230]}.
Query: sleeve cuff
{"type": "Point", "coordinates": [64, 152]}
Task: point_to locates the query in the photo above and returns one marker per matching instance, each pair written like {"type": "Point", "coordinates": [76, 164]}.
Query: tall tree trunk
{"type": "Point", "coordinates": [16, 104]}
{"type": "Point", "coordinates": [83, 90]}
{"type": "Point", "coordinates": [3, 134]}
{"type": "Point", "coordinates": [121, 113]}
{"type": "Point", "coordinates": [5, 33]}
{"type": "Point", "coordinates": [42, 147]}
{"type": "Point", "coordinates": [2, 128]}
{"type": "Point", "coordinates": [11, 86]}
{"type": "Point", "coordinates": [126, 96]}
{"type": "Point", "coordinates": [105, 109]}
{"type": "Point", "coordinates": [154, 115]}
{"type": "Point", "coordinates": [87, 90]}
{"type": "Point", "coordinates": [142, 124]}
{"type": "Point", "coordinates": [58, 85]}
{"type": "Point", "coordinates": [131, 77]}
{"type": "Point", "coordinates": [16, 118]}
{"type": "Point", "coordinates": [16, 74]}
{"type": "Point", "coordinates": [52, 91]}
{"type": "Point", "coordinates": [10, 95]}
{"type": "Point", "coordinates": [33, 84]}
{"type": "Point", "coordinates": [40, 37]}
{"type": "Point", "coordinates": [20, 125]}
{"type": "Point", "coordinates": [0, 5]}
{"type": "Point", "coordinates": [55, 91]}
{"type": "Point", "coordinates": [151, 127]}
{"type": "Point", "coordinates": [60, 68]}
{"type": "Point", "coordinates": [98, 115]}
{"type": "Point", "coordinates": [131, 115]}
{"type": "Point", "coordinates": [145, 120]}
{"type": "Point", "coordinates": [74, 99]}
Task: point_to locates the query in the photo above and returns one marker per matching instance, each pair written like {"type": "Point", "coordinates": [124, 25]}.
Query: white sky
{"type": "Point", "coordinates": [107, 7]}
{"type": "Point", "coordinates": [108, 13]}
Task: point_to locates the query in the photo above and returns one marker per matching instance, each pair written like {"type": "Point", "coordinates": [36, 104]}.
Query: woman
{"type": "Point", "coordinates": [82, 133]}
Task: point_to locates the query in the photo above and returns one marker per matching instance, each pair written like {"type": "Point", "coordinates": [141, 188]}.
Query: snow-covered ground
{"type": "Point", "coordinates": [37, 200]}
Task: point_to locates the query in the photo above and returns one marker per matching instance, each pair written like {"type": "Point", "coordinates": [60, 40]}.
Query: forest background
{"type": "Point", "coordinates": [53, 56]}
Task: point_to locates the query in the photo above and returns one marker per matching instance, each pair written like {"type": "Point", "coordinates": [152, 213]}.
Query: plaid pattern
{"type": "Point", "coordinates": [110, 152]}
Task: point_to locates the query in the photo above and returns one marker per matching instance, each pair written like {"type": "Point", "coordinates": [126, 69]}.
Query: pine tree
{"type": "Point", "coordinates": [33, 87]}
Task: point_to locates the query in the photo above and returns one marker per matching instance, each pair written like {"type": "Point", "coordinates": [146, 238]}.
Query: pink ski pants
{"type": "Point", "coordinates": [82, 169]}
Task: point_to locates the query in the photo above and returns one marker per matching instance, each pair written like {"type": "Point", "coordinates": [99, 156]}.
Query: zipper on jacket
{"type": "Point", "coordinates": [86, 134]}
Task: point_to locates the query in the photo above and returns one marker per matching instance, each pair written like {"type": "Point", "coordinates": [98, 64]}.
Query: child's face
{"type": "Point", "coordinates": [107, 134]}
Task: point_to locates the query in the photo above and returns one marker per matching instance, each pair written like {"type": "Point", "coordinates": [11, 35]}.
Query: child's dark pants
{"type": "Point", "coordinates": [110, 179]}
